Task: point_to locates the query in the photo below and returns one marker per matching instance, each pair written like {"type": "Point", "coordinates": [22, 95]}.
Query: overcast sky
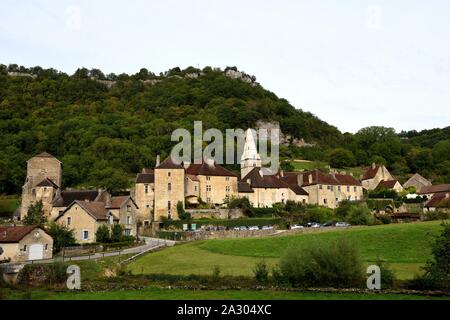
{"type": "Point", "coordinates": [353, 63]}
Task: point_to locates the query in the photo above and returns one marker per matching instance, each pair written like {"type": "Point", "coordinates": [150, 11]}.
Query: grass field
{"type": "Point", "coordinates": [152, 293]}
{"type": "Point", "coordinates": [406, 247]}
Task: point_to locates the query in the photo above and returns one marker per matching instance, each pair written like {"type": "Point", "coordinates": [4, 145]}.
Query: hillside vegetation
{"type": "Point", "coordinates": [105, 128]}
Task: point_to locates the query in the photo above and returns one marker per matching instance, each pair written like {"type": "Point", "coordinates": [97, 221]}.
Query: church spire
{"type": "Point", "coordinates": [250, 157]}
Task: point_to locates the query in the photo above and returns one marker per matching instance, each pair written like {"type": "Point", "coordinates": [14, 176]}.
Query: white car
{"type": "Point", "coordinates": [316, 225]}
{"type": "Point", "coordinates": [296, 226]}
{"type": "Point", "coordinates": [342, 224]}
{"type": "Point", "coordinates": [267, 228]}
{"type": "Point", "coordinates": [253, 228]}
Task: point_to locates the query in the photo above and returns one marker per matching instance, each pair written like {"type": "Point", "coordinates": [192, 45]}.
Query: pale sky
{"type": "Point", "coordinates": [353, 63]}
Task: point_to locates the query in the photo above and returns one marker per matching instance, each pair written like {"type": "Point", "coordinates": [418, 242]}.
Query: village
{"type": "Point", "coordinates": [202, 190]}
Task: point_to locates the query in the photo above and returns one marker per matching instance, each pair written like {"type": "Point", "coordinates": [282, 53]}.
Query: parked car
{"type": "Point", "coordinates": [328, 224]}
{"type": "Point", "coordinates": [316, 225]}
{"type": "Point", "coordinates": [253, 228]}
{"type": "Point", "coordinates": [236, 228]}
{"type": "Point", "coordinates": [342, 224]}
{"type": "Point", "coordinates": [267, 228]}
{"type": "Point", "coordinates": [243, 228]}
{"type": "Point", "coordinates": [296, 226]}
{"type": "Point", "coordinates": [310, 224]}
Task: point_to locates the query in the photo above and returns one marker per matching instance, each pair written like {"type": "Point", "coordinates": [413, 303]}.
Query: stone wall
{"type": "Point", "coordinates": [216, 213]}
{"type": "Point", "coordinates": [225, 234]}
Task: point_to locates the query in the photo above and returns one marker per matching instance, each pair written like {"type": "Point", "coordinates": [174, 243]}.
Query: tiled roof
{"type": "Point", "coordinates": [96, 209]}
{"type": "Point", "coordinates": [346, 179]}
{"type": "Point", "coordinates": [370, 173]}
{"type": "Point", "coordinates": [299, 190]}
{"type": "Point", "coordinates": [192, 177]}
{"type": "Point", "coordinates": [11, 234]}
{"type": "Point", "coordinates": [168, 163]}
{"type": "Point", "coordinates": [148, 170]}
{"type": "Point", "coordinates": [387, 184]}
{"type": "Point", "coordinates": [117, 202]}
{"type": "Point", "coordinates": [67, 197]}
{"type": "Point", "coordinates": [47, 183]}
{"type": "Point", "coordinates": [435, 189]}
{"type": "Point", "coordinates": [145, 178]}
{"type": "Point", "coordinates": [264, 181]}
{"type": "Point", "coordinates": [435, 200]}
{"type": "Point", "coordinates": [244, 187]}
{"type": "Point", "coordinates": [205, 169]}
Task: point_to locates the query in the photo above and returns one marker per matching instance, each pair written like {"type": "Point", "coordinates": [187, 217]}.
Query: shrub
{"type": "Point", "coordinates": [116, 233]}
{"type": "Point", "coordinates": [216, 272]}
{"type": "Point", "coordinates": [436, 215]}
{"type": "Point", "coordinates": [35, 215]}
{"type": "Point", "coordinates": [437, 270]}
{"type": "Point", "coordinates": [384, 219]}
{"type": "Point", "coordinates": [360, 215]}
{"type": "Point", "coordinates": [318, 214]}
{"type": "Point", "coordinates": [241, 203]}
{"type": "Point", "coordinates": [336, 264]}
{"type": "Point", "coordinates": [388, 278]}
{"type": "Point", "coordinates": [261, 272]}
{"type": "Point", "coordinates": [102, 234]}
{"type": "Point", "coordinates": [62, 236]}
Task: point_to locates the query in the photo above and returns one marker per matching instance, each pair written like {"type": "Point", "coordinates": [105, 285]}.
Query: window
{"type": "Point", "coordinates": [304, 200]}
{"type": "Point", "coordinates": [227, 189]}
{"type": "Point", "coordinates": [208, 178]}
{"type": "Point", "coordinates": [320, 186]}
{"type": "Point", "coordinates": [128, 208]}
{"type": "Point", "coordinates": [46, 246]}
{"type": "Point", "coordinates": [195, 188]}
{"type": "Point", "coordinates": [85, 235]}
{"type": "Point", "coordinates": [127, 232]}
{"type": "Point", "coordinates": [348, 189]}
{"type": "Point", "coordinates": [355, 189]}
{"type": "Point", "coordinates": [45, 189]}
{"type": "Point", "coordinates": [25, 248]}
{"type": "Point", "coordinates": [168, 174]}
{"type": "Point", "coordinates": [146, 188]}
{"type": "Point", "coordinates": [208, 188]}
{"type": "Point", "coordinates": [339, 188]}
{"type": "Point", "coordinates": [128, 220]}
{"type": "Point", "coordinates": [208, 200]}
{"type": "Point", "coordinates": [33, 192]}
{"type": "Point", "coordinates": [227, 179]}
{"type": "Point", "coordinates": [168, 206]}
{"type": "Point", "coordinates": [69, 221]}
{"type": "Point", "coordinates": [111, 218]}
{"type": "Point", "coordinates": [325, 201]}
{"type": "Point", "coordinates": [147, 206]}
{"type": "Point", "coordinates": [169, 187]}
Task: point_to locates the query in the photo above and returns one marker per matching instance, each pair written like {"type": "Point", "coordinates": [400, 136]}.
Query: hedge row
{"type": "Point", "coordinates": [224, 223]}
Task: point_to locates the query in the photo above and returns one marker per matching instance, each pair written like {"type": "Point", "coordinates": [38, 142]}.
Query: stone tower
{"type": "Point", "coordinates": [169, 189]}
{"type": "Point", "coordinates": [43, 182]}
{"type": "Point", "coordinates": [250, 157]}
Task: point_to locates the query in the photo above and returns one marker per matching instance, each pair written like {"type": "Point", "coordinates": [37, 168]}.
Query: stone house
{"type": "Point", "coordinates": [390, 184]}
{"type": "Point", "coordinates": [65, 198]}
{"type": "Point", "coordinates": [25, 243]}
{"type": "Point", "coordinates": [326, 189]}
{"type": "Point", "coordinates": [417, 181]}
{"type": "Point", "coordinates": [144, 195]}
{"type": "Point", "coordinates": [85, 217]}
{"type": "Point", "coordinates": [374, 175]}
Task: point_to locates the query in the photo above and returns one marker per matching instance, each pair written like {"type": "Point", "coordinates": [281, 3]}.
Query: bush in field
{"type": "Point", "coordinates": [261, 272]}
{"type": "Point", "coordinates": [116, 233]}
{"type": "Point", "coordinates": [387, 275]}
{"type": "Point", "coordinates": [323, 264]}
{"type": "Point", "coordinates": [359, 214]}
{"type": "Point", "coordinates": [240, 203]}
{"type": "Point", "coordinates": [318, 214]}
{"type": "Point", "coordinates": [436, 215]}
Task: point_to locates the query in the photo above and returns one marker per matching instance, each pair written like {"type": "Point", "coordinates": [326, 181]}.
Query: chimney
{"type": "Point", "coordinates": [249, 181]}
{"type": "Point", "coordinates": [210, 162]}
{"type": "Point", "coordinates": [282, 173]}
{"type": "Point", "coordinates": [186, 164]}
{"type": "Point", "coordinates": [158, 160]}
{"type": "Point", "coordinates": [261, 173]}
{"type": "Point", "coordinates": [373, 165]}
{"type": "Point", "coordinates": [108, 200]}
{"type": "Point", "coordinates": [300, 179]}
{"type": "Point", "coordinates": [310, 178]}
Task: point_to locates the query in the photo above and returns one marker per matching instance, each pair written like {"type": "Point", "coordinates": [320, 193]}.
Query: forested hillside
{"type": "Point", "coordinates": [105, 128]}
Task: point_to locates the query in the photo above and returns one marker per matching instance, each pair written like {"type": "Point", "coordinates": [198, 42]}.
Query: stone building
{"type": "Point", "coordinates": [144, 195]}
{"type": "Point", "coordinates": [374, 175]}
{"type": "Point", "coordinates": [430, 191]}
{"type": "Point", "coordinates": [85, 217]}
{"type": "Point", "coordinates": [42, 183]}
{"type": "Point", "coordinates": [391, 184]}
{"type": "Point", "coordinates": [417, 181]}
{"type": "Point", "coordinates": [24, 243]}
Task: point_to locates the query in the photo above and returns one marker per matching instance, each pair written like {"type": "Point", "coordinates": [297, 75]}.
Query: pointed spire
{"type": "Point", "coordinates": [250, 151]}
